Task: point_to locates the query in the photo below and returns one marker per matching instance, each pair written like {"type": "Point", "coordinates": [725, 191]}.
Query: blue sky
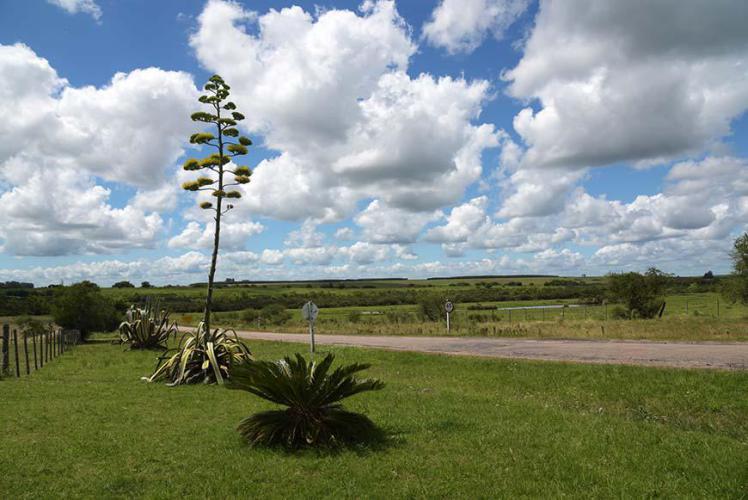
{"type": "Point", "coordinates": [393, 138]}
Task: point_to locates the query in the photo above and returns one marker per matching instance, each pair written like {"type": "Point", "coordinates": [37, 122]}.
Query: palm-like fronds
{"type": "Point", "coordinates": [201, 357]}
{"type": "Point", "coordinates": [312, 393]}
{"type": "Point", "coordinates": [147, 328]}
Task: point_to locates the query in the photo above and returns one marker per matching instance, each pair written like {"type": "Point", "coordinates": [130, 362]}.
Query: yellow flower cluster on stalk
{"type": "Point", "coordinates": [220, 163]}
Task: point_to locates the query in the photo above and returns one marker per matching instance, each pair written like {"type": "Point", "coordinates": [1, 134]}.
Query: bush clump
{"type": "Point", "coordinates": [82, 307]}
{"type": "Point", "coordinates": [641, 294]}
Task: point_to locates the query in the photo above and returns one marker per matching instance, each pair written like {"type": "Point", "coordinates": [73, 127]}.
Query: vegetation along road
{"type": "Point", "coordinates": [676, 354]}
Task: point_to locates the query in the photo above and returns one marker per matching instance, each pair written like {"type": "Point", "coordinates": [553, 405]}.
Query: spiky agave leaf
{"type": "Point", "coordinates": [312, 393]}
{"type": "Point", "coordinates": [201, 357]}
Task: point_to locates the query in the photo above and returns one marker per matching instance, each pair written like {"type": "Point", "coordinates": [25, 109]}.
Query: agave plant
{"type": "Point", "coordinates": [147, 327]}
{"type": "Point", "coordinates": [201, 357]}
{"type": "Point", "coordinates": [312, 393]}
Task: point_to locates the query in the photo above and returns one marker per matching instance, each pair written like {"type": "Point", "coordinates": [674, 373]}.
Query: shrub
{"type": "Point", "coordinates": [314, 416]}
{"type": "Point", "coordinates": [201, 357]}
{"type": "Point", "coordinates": [640, 293]}
{"type": "Point", "coordinates": [354, 316]}
{"type": "Point", "coordinates": [430, 308]}
{"type": "Point", "coordinates": [147, 328]}
{"type": "Point", "coordinates": [84, 308]}
{"type": "Point", "coordinates": [275, 314]}
{"type": "Point", "coordinates": [250, 315]}
{"type": "Point", "coordinates": [619, 312]}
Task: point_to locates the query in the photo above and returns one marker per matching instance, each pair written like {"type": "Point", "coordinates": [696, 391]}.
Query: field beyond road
{"type": "Point", "coordinates": [86, 426]}
{"type": "Point", "coordinates": [674, 354]}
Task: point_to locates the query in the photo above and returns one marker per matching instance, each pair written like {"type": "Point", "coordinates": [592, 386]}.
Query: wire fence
{"type": "Point", "coordinates": [22, 352]}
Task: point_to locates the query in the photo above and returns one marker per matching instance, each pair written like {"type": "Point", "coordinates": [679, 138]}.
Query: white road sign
{"type": "Point", "coordinates": [449, 307]}
{"type": "Point", "coordinates": [309, 311]}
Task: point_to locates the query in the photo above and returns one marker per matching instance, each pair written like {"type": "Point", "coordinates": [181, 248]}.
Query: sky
{"type": "Point", "coordinates": [391, 139]}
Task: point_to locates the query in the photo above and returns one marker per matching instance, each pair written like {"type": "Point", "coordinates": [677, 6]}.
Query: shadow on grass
{"type": "Point", "coordinates": [376, 440]}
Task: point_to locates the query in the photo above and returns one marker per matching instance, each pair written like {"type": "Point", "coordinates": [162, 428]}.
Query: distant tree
{"type": "Point", "coordinates": [735, 288]}
{"type": "Point", "coordinates": [708, 275]}
{"type": "Point", "coordinates": [146, 284]}
{"type": "Point", "coordinates": [641, 294]}
{"type": "Point", "coordinates": [123, 284]}
{"type": "Point", "coordinates": [83, 307]}
{"type": "Point", "coordinates": [739, 255]}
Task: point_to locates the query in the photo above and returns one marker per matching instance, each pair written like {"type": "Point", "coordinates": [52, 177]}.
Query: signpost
{"type": "Point", "coordinates": [309, 312]}
{"type": "Point", "coordinates": [449, 307]}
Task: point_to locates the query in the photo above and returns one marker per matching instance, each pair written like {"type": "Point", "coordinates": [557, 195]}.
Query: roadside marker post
{"type": "Point", "coordinates": [449, 307]}
{"type": "Point", "coordinates": [309, 312]}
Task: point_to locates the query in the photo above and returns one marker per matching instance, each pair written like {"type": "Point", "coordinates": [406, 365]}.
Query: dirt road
{"type": "Point", "coordinates": [731, 356]}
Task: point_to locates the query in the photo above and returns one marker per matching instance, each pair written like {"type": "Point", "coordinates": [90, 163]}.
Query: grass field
{"type": "Point", "coordinates": [85, 426]}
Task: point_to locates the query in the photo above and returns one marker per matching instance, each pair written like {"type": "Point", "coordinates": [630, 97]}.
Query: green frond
{"type": "Point", "coordinates": [242, 171]}
{"type": "Point", "coordinates": [237, 116]}
{"type": "Point", "coordinates": [191, 186]}
{"type": "Point", "coordinates": [233, 194]}
{"type": "Point", "coordinates": [219, 193]}
{"type": "Point", "coordinates": [204, 181]}
{"type": "Point", "coordinates": [245, 141]}
{"type": "Point", "coordinates": [312, 392]}
{"type": "Point", "coordinates": [238, 149]}
{"type": "Point", "coordinates": [206, 205]}
{"type": "Point", "coordinates": [231, 132]}
{"type": "Point", "coordinates": [229, 105]}
{"type": "Point", "coordinates": [227, 121]}
{"type": "Point", "coordinates": [242, 179]}
{"type": "Point", "coordinates": [202, 116]}
{"type": "Point", "coordinates": [191, 164]}
{"type": "Point", "coordinates": [216, 78]}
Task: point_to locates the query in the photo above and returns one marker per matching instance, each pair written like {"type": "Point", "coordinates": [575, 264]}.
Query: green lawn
{"type": "Point", "coordinates": [85, 425]}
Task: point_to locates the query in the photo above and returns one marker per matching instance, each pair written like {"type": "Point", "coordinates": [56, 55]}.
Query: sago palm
{"type": "Point", "coordinates": [312, 392]}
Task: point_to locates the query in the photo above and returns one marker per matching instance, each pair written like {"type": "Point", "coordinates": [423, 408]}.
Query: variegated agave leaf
{"type": "Point", "coordinates": [201, 357]}
{"type": "Point", "coordinates": [147, 328]}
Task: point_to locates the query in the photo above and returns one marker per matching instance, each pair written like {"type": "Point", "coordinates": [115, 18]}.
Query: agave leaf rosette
{"type": "Point", "coordinates": [147, 328]}
{"type": "Point", "coordinates": [201, 357]}
{"type": "Point", "coordinates": [312, 392]}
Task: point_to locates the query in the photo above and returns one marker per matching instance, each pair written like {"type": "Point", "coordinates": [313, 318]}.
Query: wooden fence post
{"type": "Point", "coordinates": [6, 339]}
{"type": "Point", "coordinates": [33, 341]}
{"type": "Point", "coordinates": [15, 348]}
{"type": "Point", "coordinates": [26, 352]}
